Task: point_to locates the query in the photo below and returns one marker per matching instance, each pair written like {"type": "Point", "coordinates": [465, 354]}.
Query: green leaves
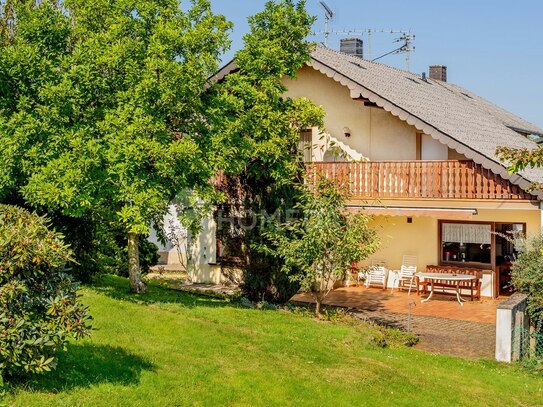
{"type": "Point", "coordinates": [276, 45]}
{"type": "Point", "coordinates": [527, 275]}
{"type": "Point", "coordinates": [256, 131]}
{"type": "Point", "coordinates": [520, 159]}
{"type": "Point", "coordinates": [103, 107]}
{"type": "Point", "coordinates": [251, 119]}
{"type": "Point", "coordinates": [39, 310]}
{"type": "Point", "coordinates": [106, 111]}
{"type": "Point", "coordinates": [27, 246]}
{"type": "Point", "coordinates": [322, 244]}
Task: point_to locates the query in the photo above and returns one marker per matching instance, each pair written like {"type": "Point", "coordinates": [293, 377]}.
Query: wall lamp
{"type": "Point", "coordinates": [347, 132]}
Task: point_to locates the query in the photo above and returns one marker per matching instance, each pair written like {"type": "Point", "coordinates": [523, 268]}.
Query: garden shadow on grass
{"type": "Point", "coordinates": [87, 364]}
{"type": "Point", "coordinates": [118, 288]}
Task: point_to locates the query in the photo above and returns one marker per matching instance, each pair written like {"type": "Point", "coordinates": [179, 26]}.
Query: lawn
{"type": "Point", "coordinates": [169, 348]}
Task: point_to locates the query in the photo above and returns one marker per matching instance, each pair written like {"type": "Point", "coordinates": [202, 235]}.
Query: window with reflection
{"type": "Point", "coordinates": [466, 243]}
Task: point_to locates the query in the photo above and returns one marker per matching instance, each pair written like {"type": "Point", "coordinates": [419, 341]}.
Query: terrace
{"type": "Point", "coordinates": [442, 324]}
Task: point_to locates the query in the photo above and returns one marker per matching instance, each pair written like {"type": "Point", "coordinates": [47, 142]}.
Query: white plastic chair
{"type": "Point", "coordinates": [378, 263]}
{"type": "Point", "coordinates": [406, 275]}
{"type": "Point", "coordinates": [377, 275]}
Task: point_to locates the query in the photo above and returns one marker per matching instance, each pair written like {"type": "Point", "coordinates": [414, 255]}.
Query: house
{"type": "Point", "coordinates": [419, 154]}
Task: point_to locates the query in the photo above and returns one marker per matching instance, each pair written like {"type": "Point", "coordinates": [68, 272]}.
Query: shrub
{"type": "Point", "coordinates": [114, 253]}
{"type": "Point", "coordinates": [264, 279]}
{"type": "Point", "coordinates": [148, 255]}
{"type": "Point", "coordinates": [39, 310]}
{"type": "Point", "coordinates": [100, 247]}
{"type": "Point", "coordinates": [527, 276]}
{"type": "Point", "coordinates": [321, 246]}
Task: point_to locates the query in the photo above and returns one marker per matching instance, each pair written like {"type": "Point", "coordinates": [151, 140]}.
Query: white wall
{"type": "Point", "coordinates": [169, 253]}
{"type": "Point", "coordinates": [431, 149]}
{"type": "Point", "coordinates": [375, 133]}
{"type": "Point", "coordinates": [203, 248]}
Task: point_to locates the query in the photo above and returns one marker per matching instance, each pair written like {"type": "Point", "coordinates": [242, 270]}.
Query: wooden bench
{"type": "Point", "coordinates": [449, 287]}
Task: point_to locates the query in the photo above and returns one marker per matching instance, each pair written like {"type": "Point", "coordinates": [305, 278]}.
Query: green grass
{"type": "Point", "coordinates": [170, 348]}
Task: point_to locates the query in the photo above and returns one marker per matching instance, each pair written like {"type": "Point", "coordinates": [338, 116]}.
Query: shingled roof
{"type": "Point", "coordinates": [455, 116]}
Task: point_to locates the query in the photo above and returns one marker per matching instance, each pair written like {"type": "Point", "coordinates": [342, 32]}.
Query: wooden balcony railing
{"type": "Point", "coordinates": [417, 179]}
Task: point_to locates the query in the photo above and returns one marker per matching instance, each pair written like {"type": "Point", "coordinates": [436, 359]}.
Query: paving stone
{"type": "Point", "coordinates": [443, 325]}
{"type": "Point", "coordinates": [441, 335]}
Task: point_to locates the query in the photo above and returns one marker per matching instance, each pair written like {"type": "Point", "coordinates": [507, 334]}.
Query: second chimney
{"type": "Point", "coordinates": [352, 46]}
{"type": "Point", "coordinates": [438, 72]}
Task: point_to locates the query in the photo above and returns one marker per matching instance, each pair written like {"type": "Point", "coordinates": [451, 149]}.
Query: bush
{"type": "Point", "coordinates": [527, 276]}
{"type": "Point", "coordinates": [318, 248]}
{"type": "Point", "coordinates": [148, 255]}
{"type": "Point", "coordinates": [100, 247]}
{"type": "Point", "coordinates": [265, 280]}
{"type": "Point", "coordinates": [97, 245]}
{"type": "Point", "coordinates": [39, 310]}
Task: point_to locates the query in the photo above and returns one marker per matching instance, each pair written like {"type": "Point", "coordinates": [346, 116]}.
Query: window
{"type": "Point", "coordinates": [466, 243]}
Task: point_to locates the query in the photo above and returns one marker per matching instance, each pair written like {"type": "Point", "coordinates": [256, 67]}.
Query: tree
{"type": "Point", "coordinates": [323, 243]}
{"type": "Point", "coordinates": [102, 111]}
{"type": "Point", "coordinates": [39, 310]}
{"type": "Point", "coordinates": [527, 275]}
{"type": "Point", "coordinates": [106, 111]}
{"type": "Point", "coordinates": [260, 131]}
{"type": "Point", "coordinates": [520, 159]}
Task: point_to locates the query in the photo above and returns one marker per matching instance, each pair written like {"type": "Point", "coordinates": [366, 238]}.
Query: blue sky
{"type": "Point", "coordinates": [493, 48]}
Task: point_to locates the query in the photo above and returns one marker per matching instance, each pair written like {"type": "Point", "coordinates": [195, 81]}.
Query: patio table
{"type": "Point", "coordinates": [432, 277]}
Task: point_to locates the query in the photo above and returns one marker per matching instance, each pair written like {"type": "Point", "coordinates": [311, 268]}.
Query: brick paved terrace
{"type": "Point", "coordinates": [443, 325]}
{"type": "Point", "coordinates": [375, 299]}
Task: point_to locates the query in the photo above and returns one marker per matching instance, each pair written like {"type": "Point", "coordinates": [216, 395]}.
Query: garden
{"type": "Point", "coordinates": [108, 116]}
{"type": "Point", "coordinates": [173, 348]}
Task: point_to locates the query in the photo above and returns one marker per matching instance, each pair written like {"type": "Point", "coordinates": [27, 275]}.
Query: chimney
{"type": "Point", "coordinates": [352, 46]}
{"type": "Point", "coordinates": [438, 72]}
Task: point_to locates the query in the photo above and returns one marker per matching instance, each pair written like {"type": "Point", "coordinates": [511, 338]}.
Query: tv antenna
{"type": "Point", "coordinates": [328, 15]}
{"type": "Point", "coordinates": [407, 47]}
{"type": "Point", "coordinates": [405, 36]}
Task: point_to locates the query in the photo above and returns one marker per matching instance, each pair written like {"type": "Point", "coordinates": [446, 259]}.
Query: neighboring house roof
{"type": "Point", "coordinates": [456, 117]}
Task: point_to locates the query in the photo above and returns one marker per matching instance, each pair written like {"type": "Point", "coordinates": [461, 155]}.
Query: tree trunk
{"type": "Point", "coordinates": [318, 308]}
{"type": "Point", "coordinates": [134, 271]}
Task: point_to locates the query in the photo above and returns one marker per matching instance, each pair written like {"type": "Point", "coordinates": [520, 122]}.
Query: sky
{"type": "Point", "coordinates": [494, 48]}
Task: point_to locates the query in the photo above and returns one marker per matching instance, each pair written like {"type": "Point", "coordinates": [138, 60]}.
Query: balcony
{"type": "Point", "coordinates": [417, 179]}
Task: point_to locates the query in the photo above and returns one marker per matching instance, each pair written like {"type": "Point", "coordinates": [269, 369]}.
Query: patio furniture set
{"type": "Point", "coordinates": [443, 280]}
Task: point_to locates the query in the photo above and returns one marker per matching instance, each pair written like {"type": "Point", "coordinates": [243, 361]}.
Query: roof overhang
{"type": "Point", "coordinates": [229, 68]}
{"type": "Point", "coordinates": [445, 213]}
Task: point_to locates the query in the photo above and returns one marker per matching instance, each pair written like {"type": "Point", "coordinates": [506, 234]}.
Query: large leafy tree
{"type": "Point", "coordinates": [106, 111]}
{"type": "Point", "coordinates": [101, 107]}
{"type": "Point", "coordinates": [262, 127]}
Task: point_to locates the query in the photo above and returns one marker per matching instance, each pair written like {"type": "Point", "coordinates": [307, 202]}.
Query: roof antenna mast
{"type": "Point", "coordinates": [328, 15]}
{"type": "Point", "coordinates": [406, 37]}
